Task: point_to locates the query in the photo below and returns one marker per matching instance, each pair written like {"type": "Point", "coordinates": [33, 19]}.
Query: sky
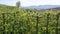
{"type": "Point", "coordinates": [30, 2]}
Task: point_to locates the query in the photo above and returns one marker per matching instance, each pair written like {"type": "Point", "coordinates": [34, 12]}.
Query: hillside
{"type": "Point", "coordinates": [5, 8]}
{"type": "Point", "coordinates": [41, 7]}
{"type": "Point", "coordinates": [12, 9]}
{"type": "Point", "coordinates": [51, 9]}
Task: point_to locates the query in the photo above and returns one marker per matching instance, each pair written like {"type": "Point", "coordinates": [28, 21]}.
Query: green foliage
{"type": "Point", "coordinates": [22, 21]}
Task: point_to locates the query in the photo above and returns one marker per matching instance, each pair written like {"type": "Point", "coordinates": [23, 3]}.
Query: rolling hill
{"type": "Point", "coordinates": [40, 7]}
{"type": "Point", "coordinates": [37, 8]}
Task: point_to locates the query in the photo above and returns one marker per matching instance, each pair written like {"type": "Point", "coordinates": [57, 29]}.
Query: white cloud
{"type": "Point", "coordinates": [39, 2]}
{"type": "Point", "coordinates": [8, 2]}
{"type": "Point", "coordinates": [31, 2]}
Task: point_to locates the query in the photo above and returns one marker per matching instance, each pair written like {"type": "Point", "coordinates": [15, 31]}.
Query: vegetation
{"type": "Point", "coordinates": [18, 4]}
{"type": "Point", "coordinates": [24, 21]}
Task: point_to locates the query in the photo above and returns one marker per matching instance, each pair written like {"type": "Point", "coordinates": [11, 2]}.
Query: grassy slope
{"type": "Point", "coordinates": [5, 8]}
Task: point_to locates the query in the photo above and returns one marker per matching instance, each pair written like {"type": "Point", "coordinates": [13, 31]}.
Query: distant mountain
{"type": "Point", "coordinates": [42, 7]}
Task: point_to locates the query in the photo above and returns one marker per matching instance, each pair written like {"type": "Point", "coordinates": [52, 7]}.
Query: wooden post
{"type": "Point", "coordinates": [3, 15]}
{"type": "Point", "coordinates": [7, 20]}
{"type": "Point", "coordinates": [37, 24]}
{"type": "Point", "coordinates": [47, 23]}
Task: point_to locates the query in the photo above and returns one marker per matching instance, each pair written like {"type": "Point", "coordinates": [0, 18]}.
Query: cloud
{"type": "Point", "coordinates": [31, 2]}
{"type": "Point", "coordinates": [8, 2]}
{"type": "Point", "coordinates": [39, 2]}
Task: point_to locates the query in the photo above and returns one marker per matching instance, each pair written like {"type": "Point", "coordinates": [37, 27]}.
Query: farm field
{"type": "Point", "coordinates": [24, 21]}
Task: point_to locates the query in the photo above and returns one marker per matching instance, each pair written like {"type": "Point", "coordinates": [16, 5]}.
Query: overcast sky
{"type": "Point", "coordinates": [31, 2]}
